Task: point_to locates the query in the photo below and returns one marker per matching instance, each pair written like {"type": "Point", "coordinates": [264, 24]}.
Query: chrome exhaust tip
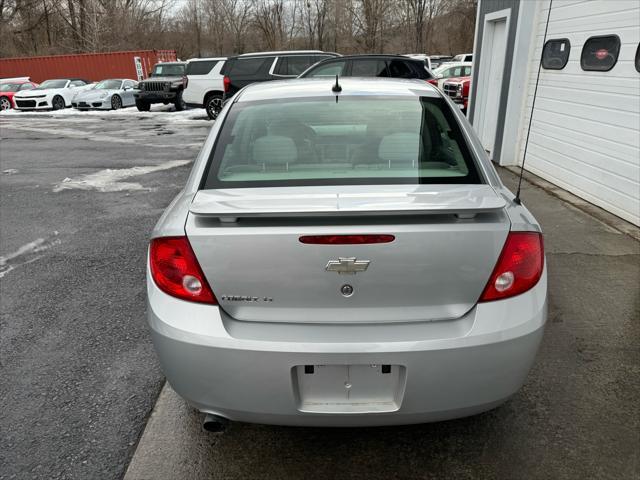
{"type": "Point", "coordinates": [214, 423]}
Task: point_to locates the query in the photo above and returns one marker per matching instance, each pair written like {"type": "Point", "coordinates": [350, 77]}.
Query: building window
{"type": "Point", "coordinates": [555, 54]}
{"type": "Point", "coordinates": [638, 58]}
{"type": "Point", "coordinates": [600, 54]}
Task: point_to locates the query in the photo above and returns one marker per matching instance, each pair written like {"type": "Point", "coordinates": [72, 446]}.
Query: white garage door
{"type": "Point", "coordinates": [585, 134]}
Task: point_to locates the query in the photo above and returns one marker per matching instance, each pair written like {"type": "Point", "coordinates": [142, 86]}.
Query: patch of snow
{"type": "Point", "coordinates": [96, 137]}
{"type": "Point", "coordinates": [165, 112]}
{"type": "Point", "coordinates": [24, 254]}
{"type": "Point", "coordinates": [110, 180]}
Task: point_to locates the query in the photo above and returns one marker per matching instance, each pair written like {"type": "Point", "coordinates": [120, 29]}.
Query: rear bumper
{"type": "Point", "coordinates": [464, 367]}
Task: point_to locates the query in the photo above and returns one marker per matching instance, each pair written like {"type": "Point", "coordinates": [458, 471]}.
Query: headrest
{"type": "Point", "coordinates": [400, 147]}
{"type": "Point", "coordinates": [274, 150]}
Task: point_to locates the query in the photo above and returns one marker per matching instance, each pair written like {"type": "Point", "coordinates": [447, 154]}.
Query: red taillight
{"type": "Point", "coordinates": [176, 271]}
{"type": "Point", "coordinates": [519, 266]}
{"type": "Point", "coordinates": [226, 82]}
{"type": "Point", "coordinates": [346, 239]}
{"type": "Point", "coordinates": [433, 81]}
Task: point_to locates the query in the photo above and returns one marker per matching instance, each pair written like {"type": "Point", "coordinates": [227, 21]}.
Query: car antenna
{"type": "Point", "coordinates": [336, 88]}
{"type": "Point", "coordinates": [533, 105]}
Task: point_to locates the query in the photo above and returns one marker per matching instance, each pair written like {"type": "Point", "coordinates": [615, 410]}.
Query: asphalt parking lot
{"type": "Point", "coordinates": [79, 196]}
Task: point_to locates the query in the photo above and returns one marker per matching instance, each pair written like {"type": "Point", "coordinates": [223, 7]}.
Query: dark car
{"type": "Point", "coordinates": [165, 85]}
{"type": "Point", "coordinates": [242, 70]}
{"type": "Point", "coordinates": [395, 66]}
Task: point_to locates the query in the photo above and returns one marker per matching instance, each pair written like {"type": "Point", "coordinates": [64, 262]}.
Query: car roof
{"type": "Point", "coordinates": [454, 64]}
{"type": "Point", "coordinates": [283, 53]}
{"type": "Point", "coordinates": [171, 63]}
{"type": "Point", "coordinates": [377, 55]}
{"type": "Point", "coordinates": [351, 86]}
{"type": "Point", "coordinates": [197, 59]}
{"type": "Point", "coordinates": [280, 52]}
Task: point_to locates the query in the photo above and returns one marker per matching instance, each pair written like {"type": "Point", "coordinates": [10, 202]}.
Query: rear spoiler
{"type": "Point", "coordinates": [465, 201]}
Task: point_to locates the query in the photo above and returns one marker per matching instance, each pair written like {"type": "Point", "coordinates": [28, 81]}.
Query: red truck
{"type": "Point", "coordinates": [458, 90]}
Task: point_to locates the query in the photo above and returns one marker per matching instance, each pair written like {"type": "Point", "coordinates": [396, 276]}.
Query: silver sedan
{"type": "Point", "coordinates": [345, 256]}
{"type": "Point", "coordinates": [111, 94]}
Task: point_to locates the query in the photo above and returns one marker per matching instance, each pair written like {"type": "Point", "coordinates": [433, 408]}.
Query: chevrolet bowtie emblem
{"type": "Point", "coordinates": [347, 266]}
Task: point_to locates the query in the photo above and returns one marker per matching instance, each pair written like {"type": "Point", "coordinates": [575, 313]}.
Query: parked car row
{"type": "Point", "coordinates": [208, 82]}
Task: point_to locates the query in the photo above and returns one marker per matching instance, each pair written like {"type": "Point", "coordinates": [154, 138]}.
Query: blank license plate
{"type": "Point", "coordinates": [349, 388]}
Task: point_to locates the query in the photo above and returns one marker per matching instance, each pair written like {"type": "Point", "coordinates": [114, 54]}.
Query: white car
{"type": "Point", "coordinates": [205, 86]}
{"type": "Point", "coordinates": [451, 70]}
{"type": "Point", "coordinates": [50, 94]}
{"type": "Point", "coordinates": [463, 57]}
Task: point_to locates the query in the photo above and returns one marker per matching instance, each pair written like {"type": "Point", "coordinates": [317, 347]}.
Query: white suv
{"type": "Point", "coordinates": [204, 87]}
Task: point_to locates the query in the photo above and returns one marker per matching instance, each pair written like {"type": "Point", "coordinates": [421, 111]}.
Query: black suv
{"type": "Point", "coordinates": [396, 66]}
{"type": "Point", "coordinates": [164, 85]}
{"type": "Point", "coordinates": [241, 70]}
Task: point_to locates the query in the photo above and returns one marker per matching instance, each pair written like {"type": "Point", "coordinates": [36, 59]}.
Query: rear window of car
{"type": "Point", "coordinates": [247, 66]}
{"type": "Point", "coordinates": [402, 69]}
{"type": "Point", "coordinates": [201, 67]}
{"type": "Point", "coordinates": [358, 140]}
{"type": "Point", "coordinates": [369, 67]}
{"type": "Point", "coordinates": [333, 68]}
{"type": "Point", "coordinates": [294, 65]}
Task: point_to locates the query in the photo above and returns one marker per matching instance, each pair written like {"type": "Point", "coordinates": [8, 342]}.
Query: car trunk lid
{"type": "Point", "coordinates": [446, 240]}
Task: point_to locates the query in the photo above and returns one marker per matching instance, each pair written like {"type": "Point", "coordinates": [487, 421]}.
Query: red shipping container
{"type": "Point", "coordinates": [89, 66]}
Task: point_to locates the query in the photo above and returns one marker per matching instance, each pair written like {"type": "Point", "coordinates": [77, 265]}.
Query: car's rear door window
{"type": "Point", "coordinates": [294, 65]}
{"type": "Point", "coordinates": [358, 140]}
{"type": "Point", "coordinates": [400, 69]}
{"type": "Point", "coordinates": [369, 67]}
{"type": "Point", "coordinates": [334, 68]}
{"type": "Point", "coordinates": [248, 66]}
{"type": "Point", "coordinates": [200, 67]}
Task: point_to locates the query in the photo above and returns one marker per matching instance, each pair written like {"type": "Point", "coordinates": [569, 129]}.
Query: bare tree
{"type": "Point", "coordinates": [237, 14]}
{"type": "Point", "coordinates": [369, 17]}
{"type": "Point", "coordinates": [223, 27]}
{"type": "Point", "coordinates": [269, 19]}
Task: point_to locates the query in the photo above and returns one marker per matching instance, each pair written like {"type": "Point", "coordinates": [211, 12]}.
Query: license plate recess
{"type": "Point", "coordinates": [373, 388]}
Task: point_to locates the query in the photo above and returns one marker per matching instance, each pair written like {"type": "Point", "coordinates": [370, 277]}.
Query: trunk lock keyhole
{"type": "Point", "coordinates": [346, 290]}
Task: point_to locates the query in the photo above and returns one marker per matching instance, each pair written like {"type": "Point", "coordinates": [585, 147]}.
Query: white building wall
{"type": "Point", "coordinates": [585, 134]}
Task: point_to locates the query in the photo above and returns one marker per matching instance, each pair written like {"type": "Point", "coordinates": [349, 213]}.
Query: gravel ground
{"type": "Point", "coordinates": [79, 375]}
